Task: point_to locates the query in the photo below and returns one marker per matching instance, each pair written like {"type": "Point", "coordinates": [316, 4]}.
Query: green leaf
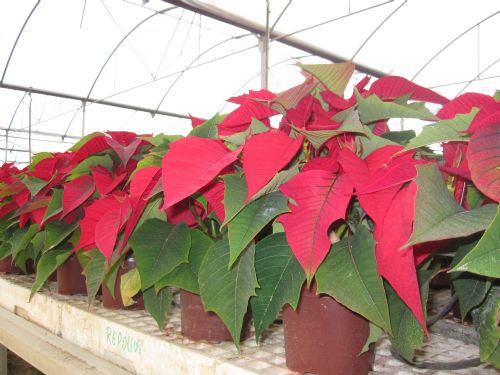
{"type": "Point", "coordinates": [185, 275]}
{"type": "Point", "coordinates": [48, 264]}
{"type": "Point", "coordinates": [35, 185]}
{"type": "Point", "coordinates": [158, 305]}
{"type": "Point", "coordinates": [5, 250]}
{"type": "Point", "coordinates": [280, 277]}
{"type": "Point", "coordinates": [130, 285]}
{"type": "Point", "coordinates": [372, 142]}
{"type": "Point", "coordinates": [318, 137]}
{"type": "Point", "coordinates": [373, 109]}
{"type": "Point", "coordinates": [152, 211]}
{"type": "Point", "coordinates": [162, 139]}
{"type": "Point", "coordinates": [484, 258]}
{"type": "Point", "coordinates": [159, 247]}
{"type": "Point", "coordinates": [350, 275]}
{"type": "Point", "coordinates": [279, 179]}
{"type": "Point", "coordinates": [94, 273]}
{"type": "Point", "coordinates": [470, 289]}
{"type": "Point", "coordinates": [474, 197]}
{"type": "Point", "coordinates": [375, 333]}
{"type": "Point", "coordinates": [55, 232]}
{"type": "Point", "coordinates": [209, 128]}
{"type": "Point", "coordinates": [438, 216]}
{"type": "Point", "coordinates": [55, 204]}
{"type": "Point", "coordinates": [111, 273]}
{"type": "Point", "coordinates": [256, 127]}
{"type": "Point", "coordinates": [235, 193]}
{"type": "Point", "coordinates": [407, 333]}
{"type": "Point", "coordinates": [335, 77]}
{"type": "Point", "coordinates": [92, 161]}
{"type": "Point", "coordinates": [251, 220]}
{"type": "Point", "coordinates": [443, 131]}
{"type": "Point", "coordinates": [486, 319]}
{"type": "Point", "coordinates": [78, 145]}
{"type": "Point", "coordinates": [227, 292]}
{"type": "Point", "coordinates": [402, 137]}
{"type": "Point", "coordinates": [22, 238]}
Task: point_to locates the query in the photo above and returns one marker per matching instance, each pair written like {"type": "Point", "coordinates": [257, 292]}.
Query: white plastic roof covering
{"type": "Point", "coordinates": [66, 43]}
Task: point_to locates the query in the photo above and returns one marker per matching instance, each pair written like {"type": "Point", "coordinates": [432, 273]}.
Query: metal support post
{"type": "Point", "coordinates": [29, 130]}
{"type": "Point", "coordinates": [264, 53]}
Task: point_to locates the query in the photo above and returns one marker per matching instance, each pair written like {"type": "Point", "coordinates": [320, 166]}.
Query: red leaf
{"type": "Point", "coordinates": [7, 208]}
{"type": "Point", "coordinates": [190, 164]}
{"type": "Point", "coordinates": [489, 114]}
{"type": "Point", "coordinates": [93, 146]}
{"type": "Point", "coordinates": [124, 151]}
{"type": "Point", "coordinates": [392, 87]}
{"type": "Point", "coordinates": [393, 174]}
{"type": "Point", "coordinates": [76, 192]}
{"type": "Point", "coordinates": [143, 183]}
{"type": "Point", "coordinates": [180, 212]}
{"type": "Point", "coordinates": [325, 163]}
{"type": "Point", "coordinates": [398, 266]}
{"type": "Point", "coordinates": [93, 213]}
{"type": "Point", "coordinates": [321, 198]}
{"type": "Point", "coordinates": [109, 226]}
{"type": "Point", "coordinates": [33, 204]}
{"type": "Point", "coordinates": [239, 120]}
{"type": "Point", "coordinates": [195, 121]}
{"type": "Point", "coordinates": [104, 181]}
{"type": "Point", "coordinates": [463, 104]}
{"type": "Point", "coordinates": [380, 128]}
{"type": "Point", "coordinates": [484, 160]}
{"type": "Point", "coordinates": [45, 169]}
{"type": "Point", "coordinates": [264, 155]}
{"type": "Point", "coordinates": [37, 215]}
{"type": "Point", "coordinates": [214, 193]}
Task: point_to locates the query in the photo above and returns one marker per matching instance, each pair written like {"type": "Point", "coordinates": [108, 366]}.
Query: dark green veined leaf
{"type": "Point", "coordinates": [35, 185]}
{"type": "Point", "coordinates": [407, 333]}
{"type": "Point", "coordinates": [21, 239]}
{"type": "Point", "coordinates": [185, 275]}
{"type": "Point", "coordinates": [443, 131]}
{"type": "Point", "coordinates": [280, 277]}
{"type": "Point", "coordinates": [402, 137]}
{"type": "Point", "coordinates": [438, 216]}
{"type": "Point", "coordinates": [227, 292]}
{"type": "Point", "coordinates": [470, 289]}
{"type": "Point", "coordinates": [48, 264]}
{"type": "Point", "coordinates": [159, 247]}
{"type": "Point", "coordinates": [373, 109]}
{"type": "Point", "coordinates": [279, 179]}
{"type": "Point", "coordinates": [350, 275]}
{"type": "Point", "coordinates": [55, 232]}
{"type": "Point", "coordinates": [158, 305]}
{"type": "Point", "coordinates": [486, 321]}
{"type": "Point", "coordinates": [94, 273]}
{"type": "Point", "coordinates": [251, 220]}
{"type": "Point", "coordinates": [484, 258]}
{"type": "Point", "coordinates": [235, 193]}
{"type": "Point", "coordinates": [55, 205]}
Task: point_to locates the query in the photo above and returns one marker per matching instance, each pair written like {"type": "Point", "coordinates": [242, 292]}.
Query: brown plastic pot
{"type": "Point", "coordinates": [70, 279]}
{"type": "Point", "coordinates": [8, 266]}
{"type": "Point", "coordinates": [325, 338]}
{"type": "Point", "coordinates": [116, 303]}
{"type": "Point", "coordinates": [199, 325]}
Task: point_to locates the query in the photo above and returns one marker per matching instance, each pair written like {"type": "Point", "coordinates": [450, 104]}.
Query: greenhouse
{"type": "Point", "coordinates": [249, 187]}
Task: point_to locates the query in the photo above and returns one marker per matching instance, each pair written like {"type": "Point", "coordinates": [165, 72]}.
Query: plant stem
{"type": "Point", "coordinates": [198, 220]}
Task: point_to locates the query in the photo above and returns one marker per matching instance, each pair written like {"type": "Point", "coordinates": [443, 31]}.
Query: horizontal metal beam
{"type": "Point", "coordinates": [13, 149]}
{"type": "Point", "coordinates": [12, 130]}
{"type": "Point", "coordinates": [84, 99]}
{"type": "Point", "coordinates": [254, 27]}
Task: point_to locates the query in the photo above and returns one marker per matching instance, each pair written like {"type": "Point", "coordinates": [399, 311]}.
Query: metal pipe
{"type": "Point", "coordinates": [29, 127]}
{"type": "Point", "coordinates": [256, 28]}
{"type": "Point", "coordinates": [110, 103]}
{"type": "Point", "coordinates": [38, 133]}
{"type": "Point", "coordinates": [264, 53]}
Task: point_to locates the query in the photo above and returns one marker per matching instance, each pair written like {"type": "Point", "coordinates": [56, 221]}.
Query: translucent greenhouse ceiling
{"type": "Point", "coordinates": [175, 60]}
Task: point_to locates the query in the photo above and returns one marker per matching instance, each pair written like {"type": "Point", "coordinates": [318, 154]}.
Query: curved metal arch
{"type": "Point", "coordinates": [477, 76]}
{"type": "Point", "coordinates": [121, 42]}
{"type": "Point", "coordinates": [181, 73]}
{"type": "Point", "coordinates": [453, 41]}
{"type": "Point", "coordinates": [17, 39]}
{"type": "Point", "coordinates": [378, 28]}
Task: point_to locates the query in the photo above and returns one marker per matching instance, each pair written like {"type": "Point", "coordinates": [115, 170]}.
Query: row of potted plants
{"type": "Point", "coordinates": [328, 213]}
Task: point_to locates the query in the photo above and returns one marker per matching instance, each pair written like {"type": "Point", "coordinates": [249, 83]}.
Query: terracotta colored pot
{"type": "Point", "coordinates": [324, 337]}
{"type": "Point", "coordinates": [116, 303]}
{"type": "Point", "coordinates": [69, 277]}
{"type": "Point", "coordinates": [8, 266]}
{"type": "Point", "coordinates": [199, 325]}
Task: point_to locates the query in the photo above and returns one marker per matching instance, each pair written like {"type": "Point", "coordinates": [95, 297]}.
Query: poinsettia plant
{"type": "Point", "coordinates": [343, 188]}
